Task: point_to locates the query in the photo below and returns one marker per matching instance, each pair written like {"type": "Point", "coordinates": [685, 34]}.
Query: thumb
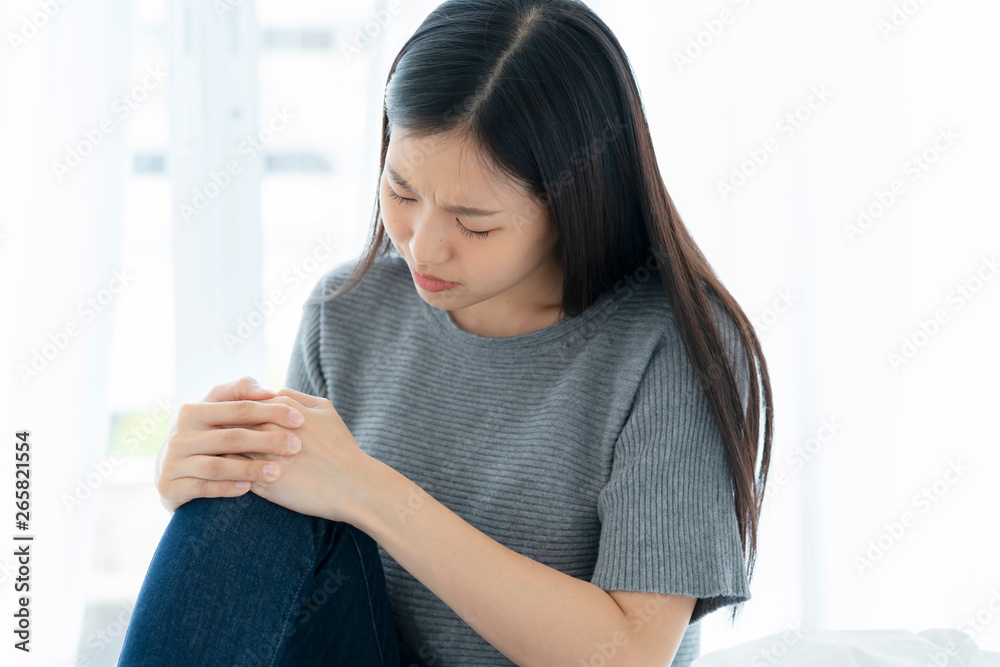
{"type": "Point", "coordinates": [238, 390]}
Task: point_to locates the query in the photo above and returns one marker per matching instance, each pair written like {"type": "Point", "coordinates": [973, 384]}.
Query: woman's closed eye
{"type": "Point", "coordinates": [465, 230]}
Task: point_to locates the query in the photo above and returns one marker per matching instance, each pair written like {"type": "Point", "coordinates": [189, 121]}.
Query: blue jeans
{"type": "Point", "coordinates": [244, 581]}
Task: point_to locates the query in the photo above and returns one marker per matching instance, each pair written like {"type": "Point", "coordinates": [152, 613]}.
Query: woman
{"type": "Point", "coordinates": [528, 432]}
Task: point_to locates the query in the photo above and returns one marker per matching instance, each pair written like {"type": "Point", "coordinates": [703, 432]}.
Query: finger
{"type": "Point", "coordinates": [249, 455]}
{"type": "Point", "coordinates": [207, 415]}
{"type": "Point", "coordinates": [287, 401]}
{"type": "Point", "coordinates": [218, 468]}
{"type": "Point", "coordinates": [282, 399]}
{"type": "Point", "coordinates": [193, 487]}
{"type": "Point", "coordinates": [241, 441]}
{"type": "Point", "coordinates": [244, 388]}
{"type": "Point", "coordinates": [305, 399]}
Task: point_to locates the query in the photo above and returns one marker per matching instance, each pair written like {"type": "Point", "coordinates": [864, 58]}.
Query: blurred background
{"type": "Point", "coordinates": [176, 176]}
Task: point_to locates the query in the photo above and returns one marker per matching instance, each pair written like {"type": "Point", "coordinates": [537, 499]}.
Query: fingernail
{"type": "Point", "coordinates": [295, 417]}
{"type": "Point", "coordinates": [270, 469]}
{"type": "Point", "coordinates": [242, 485]}
{"type": "Point", "coordinates": [294, 443]}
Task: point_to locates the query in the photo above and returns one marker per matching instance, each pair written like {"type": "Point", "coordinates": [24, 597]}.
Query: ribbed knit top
{"type": "Point", "coordinates": [593, 454]}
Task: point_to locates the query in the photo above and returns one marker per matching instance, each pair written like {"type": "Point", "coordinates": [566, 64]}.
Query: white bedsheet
{"type": "Point", "coordinates": [937, 647]}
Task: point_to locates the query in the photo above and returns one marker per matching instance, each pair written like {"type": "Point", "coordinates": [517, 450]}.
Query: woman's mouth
{"type": "Point", "coordinates": [430, 284]}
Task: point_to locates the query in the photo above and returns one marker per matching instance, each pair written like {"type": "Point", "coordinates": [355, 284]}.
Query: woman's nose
{"type": "Point", "coordinates": [427, 243]}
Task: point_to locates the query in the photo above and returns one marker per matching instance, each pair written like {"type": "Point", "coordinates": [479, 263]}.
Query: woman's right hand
{"type": "Point", "coordinates": [201, 455]}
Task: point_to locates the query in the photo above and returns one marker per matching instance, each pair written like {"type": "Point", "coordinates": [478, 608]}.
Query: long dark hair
{"type": "Point", "coordinates": [547, 92]}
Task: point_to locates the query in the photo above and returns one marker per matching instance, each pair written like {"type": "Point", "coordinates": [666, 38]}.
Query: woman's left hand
{"type": "Point", "coordinates": [321, 479]}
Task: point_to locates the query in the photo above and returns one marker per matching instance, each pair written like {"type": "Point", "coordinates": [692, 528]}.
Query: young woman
{"type": "Point", "coordinates": [528, 429]}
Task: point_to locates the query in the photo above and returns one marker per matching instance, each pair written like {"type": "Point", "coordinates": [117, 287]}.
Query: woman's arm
{"type": "Point", "coordinates": [530, 612]}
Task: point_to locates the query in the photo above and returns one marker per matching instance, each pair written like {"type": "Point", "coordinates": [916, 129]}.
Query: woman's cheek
{"type": "Point", "coordinates": [389, 222]}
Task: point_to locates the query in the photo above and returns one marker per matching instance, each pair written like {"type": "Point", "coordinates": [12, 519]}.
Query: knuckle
{"type": "Point", "coordinates": [213, 468]}
{"type": "Point", "coordinates": [219, 392]}
{"type": "Point", "coordinates": [169, 445]}
{"type": "Point", "coordinates": [176, 445]}
{"type": "Point", "coordinates": [202, 488]}
{"type": "Point", "coordinates": [184, 412]}
{"type": "Point", "coordinates": [244, 409]}
{"type": "Point", "coordinates": [232, 437]}
{"type": "Point", "coordinates": [166, 474]}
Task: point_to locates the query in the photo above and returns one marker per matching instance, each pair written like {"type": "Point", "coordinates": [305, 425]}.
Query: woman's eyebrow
{"type": "Point", "coordinates": [456, 209]}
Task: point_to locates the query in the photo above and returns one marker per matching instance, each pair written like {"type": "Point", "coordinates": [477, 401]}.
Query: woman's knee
{"type": "Point", "coordinates": [210, 523]}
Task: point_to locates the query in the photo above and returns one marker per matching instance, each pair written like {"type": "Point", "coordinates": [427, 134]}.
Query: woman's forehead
{"type": "Point", "coordinates": [453, 167]}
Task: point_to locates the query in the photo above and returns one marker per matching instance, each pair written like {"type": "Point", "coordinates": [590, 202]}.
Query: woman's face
{"type": "Point", "coordinates": [501, 255]}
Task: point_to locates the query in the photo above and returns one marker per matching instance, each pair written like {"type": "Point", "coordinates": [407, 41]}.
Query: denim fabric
{"type": "Point", "coordinates": [244, 582]}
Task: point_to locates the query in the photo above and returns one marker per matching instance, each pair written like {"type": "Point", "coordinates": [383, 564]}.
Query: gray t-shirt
{"type": "Point", "coordinates": [596, 455]}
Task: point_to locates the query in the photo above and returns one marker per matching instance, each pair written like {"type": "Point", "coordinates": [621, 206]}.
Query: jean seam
{"type": "Point", "coordinates": [371, 614]}
{"type": "Point", "coordinates": [289, 612]}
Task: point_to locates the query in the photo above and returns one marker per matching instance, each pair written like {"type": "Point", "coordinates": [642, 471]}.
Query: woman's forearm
{"type": "Point", "coordinates": [530, 612]}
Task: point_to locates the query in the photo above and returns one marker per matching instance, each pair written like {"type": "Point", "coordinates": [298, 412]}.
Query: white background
{"type": "Point", "coordinates": [858, 437]}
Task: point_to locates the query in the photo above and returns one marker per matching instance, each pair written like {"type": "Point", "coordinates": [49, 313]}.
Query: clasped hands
{"type": "Point", "coordinates": [241, 428]}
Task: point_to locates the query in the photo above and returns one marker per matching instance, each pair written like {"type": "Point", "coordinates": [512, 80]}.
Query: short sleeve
{"type": "Point", "coordinates": [305, 373]}
{"type": "Point", "coordinates": [668, 519]}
